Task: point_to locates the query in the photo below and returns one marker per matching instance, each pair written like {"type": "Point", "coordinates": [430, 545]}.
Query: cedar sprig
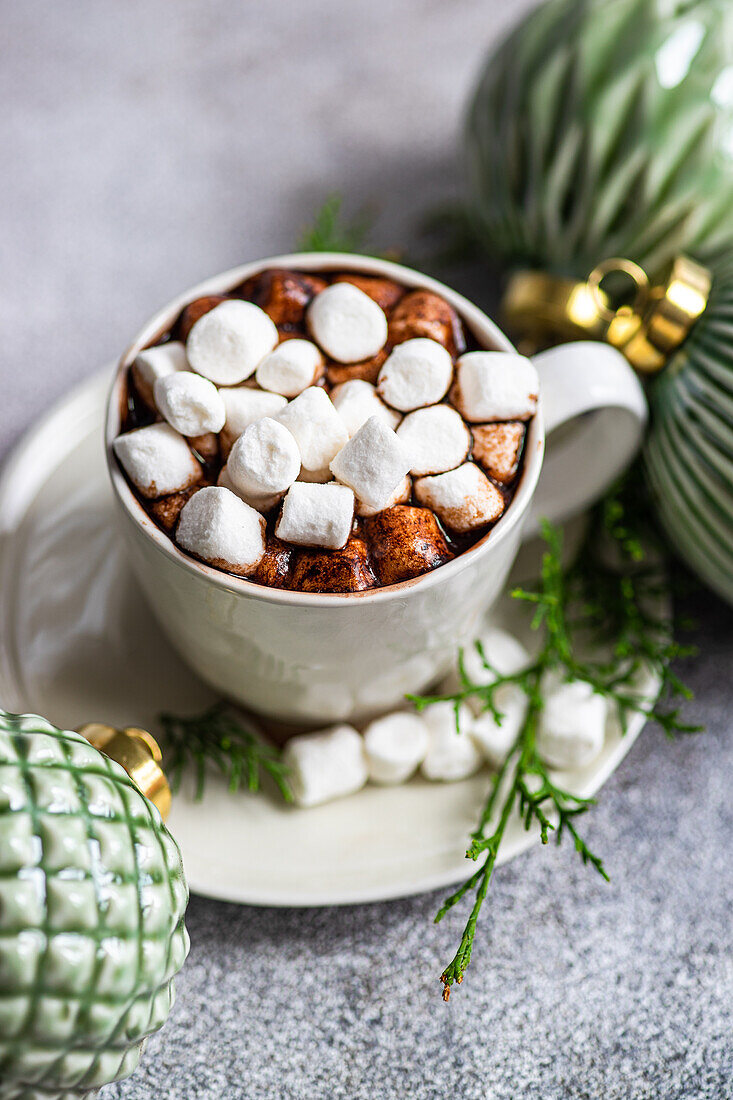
{"type": "Point", "coordinates": [216, 737]}
{"type": "Point", "coordinates": [331, 232]}
{"type": "Point", "coordinates": [613, 600]}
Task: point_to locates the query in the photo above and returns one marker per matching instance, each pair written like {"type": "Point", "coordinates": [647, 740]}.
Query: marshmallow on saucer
{"type": "Point", "coordinates": [157, 460]}
{"type": "Point", "coordinates": [496, 740]}
{"type": "Point", "coordinates": [318, 429]}
{"type": "Point", "coordinates": [463, 499]}
{"type": "Point", "coordinates": [436, 438]}
{"type": "Point", "coordinates": [394, 746]}
{"type": "Point", "coordinates": [357, 400]}
{"type": "Point", "coordinates": [572, 725]}
{"type": "Point", "coordinates": [325, 765]}
{"type": "Point", "coordinates": [227, 343]}
{"type": "Point", "coordinates": [260, 502]}
{"type": "Point", "coordinates": [401, 495]}
{"type": "Point", "coordinates": [450, 755]}
{"type": "Point", "coordinates": [495, 385]}
{"type": "Point", "coordinates": [416, 373]}
{"type": "Point", "coordinates": [373, 463]}
{"type": "Point", "coordinates": [316, 515]}
{"type": "Point", "coordinates": [347, 324]}
{"type": "Point", "coordinates": [154, 363]}
{"type": "Point", "coordinates": [290, 368]}
{"type": "Point", "coordinates": [191, 404]}
{"type": "Point", "coordinates": [220, 528]}
{"type": "Point", "coordinates": [503, 652]}
{"type": "Point", "coordinates": [245, 406]}
{"type": "Point", "coordinates": [265, 459]}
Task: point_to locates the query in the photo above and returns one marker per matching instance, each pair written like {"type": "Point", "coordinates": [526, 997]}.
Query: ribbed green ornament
{"type": "Point", "coordinates": [604, 128]}
{"type": "Point", "coordinates": [92, 903]}
{"type": "Point", "coordinates": [688, 455]}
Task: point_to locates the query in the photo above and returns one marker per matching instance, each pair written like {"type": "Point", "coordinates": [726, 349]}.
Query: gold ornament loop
{"type": "Point", "coordinates": [139, 754]}
{"type": "Point", "coordinates": [540, 308]}
{"type": "Point", "coordinates": [617, 265]}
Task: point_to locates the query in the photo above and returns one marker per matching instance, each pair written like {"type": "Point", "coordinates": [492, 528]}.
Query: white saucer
{"type": "Point", "coordinates": [77, 644]}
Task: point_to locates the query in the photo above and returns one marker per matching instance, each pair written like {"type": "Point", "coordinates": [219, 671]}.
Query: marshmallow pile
{"type": "Point", "coordinates": [323, 406]}
{"type": "Point", "coordinates": [447, 746]}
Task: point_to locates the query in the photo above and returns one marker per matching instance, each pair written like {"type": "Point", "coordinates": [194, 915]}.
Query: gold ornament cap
{"type": "Point", "coordinates": [139, 754]}
{"type": "Point", "coordinates": [646, 322]}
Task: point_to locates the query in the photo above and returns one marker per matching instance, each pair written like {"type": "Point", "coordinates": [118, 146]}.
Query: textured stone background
{"type": "Point", "coordinates": [144, 145]}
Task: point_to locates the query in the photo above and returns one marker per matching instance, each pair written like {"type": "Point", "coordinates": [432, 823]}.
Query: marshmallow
{"type": "Point", "coordinates": [572, 725]}
{"type": "Point", "coordinates": [318, 429]}
{"type": "Point", "coordinates": [405, 542]}
{"type": "Point", "coordinates": [191, 404]}
{"type": "Point", "coordinates": [373, 463]}
{"type": "Point", "coordinates": [357, 400]}
{"type": "Point", "coordinates": [394, 746]}
{"type": "Point", "coordinates": [157, 460]}
{"type": "Point", "coordinates": [259, 501]}
{"type": "Point", "coordinates": [502, 651]}
{"type": "Point", "coordinates": [385, 292]}
{"type": "Point", "coordinates": [283, 294]}
{"type": "Point", "coordinates": [290, 368]}
{"type": "Point", "coordinates": [347, 324]}
{"type": "Point", "coordinates": [316, 515]}
{"type": "Point", "coordinates": [345, 570]}
{"type": "Point", "coordinates": [495, 385]}
{"type": "Point", "coordinates": [401, 495]}
{"type": "Point", "coordinates": [325, 765]}
{"type": "Point", "coordinates": [417, 373]}
{"type": "Point", "coordinates": [498, 448]}
{"type": "Point", "coordinates": [437, 439]}
{"type": "Point", "coordinates": [218, 527]}
{"type": "Point", "coordinates": [463, 499]}
{"type": "Point", "coordinates": [450, 755]}
{"type": "Point", "coordinates": [154, 363]}
{"type": "Point", "coordinates": [495, 740]}
{"type": "Point", "coordinates": [245, 406]}
{"type": "Point", "coordinates": [422, 313]}
{"type": "Point", "coordinates": [227, 343]}
{"type": "Point", "coordinates": [265, 459]}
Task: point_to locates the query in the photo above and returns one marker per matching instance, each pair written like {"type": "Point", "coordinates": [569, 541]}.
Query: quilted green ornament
{"type": "Point", "coordinates": [604, 128]}
{"type": "Point", "coordinates": [92, 903]}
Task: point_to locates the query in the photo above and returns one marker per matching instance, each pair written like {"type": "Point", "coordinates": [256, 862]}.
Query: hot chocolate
{"type": "Point", "coordinates": [330, 433]}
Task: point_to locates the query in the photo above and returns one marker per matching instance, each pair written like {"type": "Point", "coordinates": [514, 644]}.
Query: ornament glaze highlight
{"type": "Point", "coordinates": [92, 903]}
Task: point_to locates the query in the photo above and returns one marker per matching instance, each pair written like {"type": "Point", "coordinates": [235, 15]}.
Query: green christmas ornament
{"type": "Point", "coordinates": [606, 129]}
{"type": "Point", "coordinates": [92, 903]}
{"type": "Point", "coordinates": [602, 130]}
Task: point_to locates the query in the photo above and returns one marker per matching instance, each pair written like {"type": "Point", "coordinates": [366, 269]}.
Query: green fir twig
{"type": "Point", "coordinates": [613, 601]}
{"type": "Point", "coordinates": [216, 737]}
{"type": "Point", "coordinates": [331, 232]}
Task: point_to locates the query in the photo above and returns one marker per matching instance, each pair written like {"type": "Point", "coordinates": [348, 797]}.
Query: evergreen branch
{"type": "Point", "coordinates": [330, 232]}
{"type": "Point", "coordinates": [613, 599]}
{"type": "Point", "coordinates": [217, 737]}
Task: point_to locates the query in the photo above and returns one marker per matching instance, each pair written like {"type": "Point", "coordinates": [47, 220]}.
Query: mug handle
{"type": "Point", "coordinates": [595, 413]}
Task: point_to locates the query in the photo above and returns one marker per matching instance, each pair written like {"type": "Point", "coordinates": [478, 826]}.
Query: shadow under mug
{"type": "Point", "coordinates": [309, 659]}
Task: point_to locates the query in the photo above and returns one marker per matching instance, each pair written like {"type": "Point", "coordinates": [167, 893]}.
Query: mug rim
{"type": "Point", "coordinates": [487, 333]}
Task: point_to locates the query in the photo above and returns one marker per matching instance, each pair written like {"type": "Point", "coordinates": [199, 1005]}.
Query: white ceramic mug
{"type": "Point", "coordinates": [307, 658]}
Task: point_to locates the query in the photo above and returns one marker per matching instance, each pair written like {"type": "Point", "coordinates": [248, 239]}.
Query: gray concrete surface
{"type": "Point", "coordinates": [147, 144]}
